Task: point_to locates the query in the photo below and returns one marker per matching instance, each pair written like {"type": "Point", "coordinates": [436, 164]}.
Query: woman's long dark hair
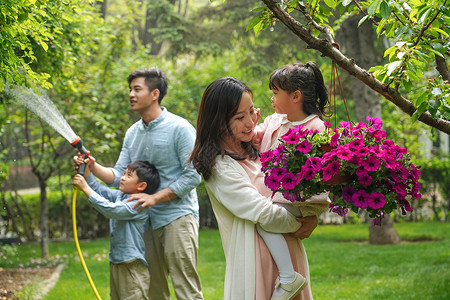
{"type": "Point", "coordinates": [307, 79]}
{"type": "Point", "coordinates": [219, 104]}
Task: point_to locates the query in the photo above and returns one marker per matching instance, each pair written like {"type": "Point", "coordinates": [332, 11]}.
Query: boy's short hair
{"type": "Point", "coordinates": [154, 79]}
{"type": "Point", "coordinates": [146, 172]}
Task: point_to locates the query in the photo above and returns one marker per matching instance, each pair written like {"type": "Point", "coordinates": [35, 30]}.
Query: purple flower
{"type": "Point", "coordinates": [334, 139]}
{"type": "Point", "coordinates": [371, 163]}
{"type": "Point", "coordinates": [363, 151]}
{"type": "Point", "coordinates": [414, 172]}
{"type": "Point", "coordinates": [339, 210]}
{"type": "Point", "coordinates": [345, 124]}
{"type": "Point", "coordinates": [271, 182]}
{"type": "Point", "coordinates": [292, 197]}
{"type": "Point", "coordinates": [290, 137]}
{"type": "Point", "coordinates": [365, 179]}
{"type": "Point", "coordinates": [308, 173]}
{"type": "Point", "coordinates": [288, 182]}
{"type": "Point", "coordinates": [359, 198]}
{"type": "Point", "coordinates": [404, 173]}
{"type": "Point", "coordinates": [415, 191]}
{"type": "Point", "coordinates": [375, 122]}
{"type": "Point", "coordinates": [327, 156]}
{"type": "Point", "coordinates": [304, 147]}
{"type": "Point", "coordinates": [327, 124]}
{"type": "Point", "coordinates": [315, 163]}
{"type": "Point", "coordinates": [377, 220]}
{"type": "Point", "coordinates": [330, 170]}
{"type": "Point", "coordinates": [376, 200]}
{"type": "Point", "coordinates": [265, 157]}
{"type": "Point", "coordinates": [343, 153]}
{"type": "Point", "coordinates": [278, 173]}
{"type": "Point", "coordinates": [405, 206]}
{"type": "Point", "coordinates": [347, 194]}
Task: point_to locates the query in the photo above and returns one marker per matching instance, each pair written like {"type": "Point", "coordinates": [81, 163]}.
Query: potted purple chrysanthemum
{"type": "Point", "coordinates": [378, 175]}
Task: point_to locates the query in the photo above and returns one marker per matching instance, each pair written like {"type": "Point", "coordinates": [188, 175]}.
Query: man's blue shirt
{"type": "Point", "coordinates": [167, 143]}
{"type": "Point", "coordinates": [127, 225]}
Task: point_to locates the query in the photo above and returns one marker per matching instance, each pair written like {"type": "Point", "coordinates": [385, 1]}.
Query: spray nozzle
{"type": "Point", "coordinates": [79, 145]}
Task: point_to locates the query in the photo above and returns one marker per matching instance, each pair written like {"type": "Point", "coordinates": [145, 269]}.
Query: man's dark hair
{"type": "Point", "coordinates": [146, 172]}
{"type": "Point", "coordinates": [154, 79]}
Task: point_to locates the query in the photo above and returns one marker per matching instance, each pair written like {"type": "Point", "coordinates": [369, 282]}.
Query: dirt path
{"type": "Point", "coordinates": [13, 280]}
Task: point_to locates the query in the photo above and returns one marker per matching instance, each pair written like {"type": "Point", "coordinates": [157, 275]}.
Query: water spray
{"type": "Point", "coordinates": [45, 109]}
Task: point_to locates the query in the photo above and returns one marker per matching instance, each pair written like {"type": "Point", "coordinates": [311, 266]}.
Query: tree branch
{"type": "Point", "coordinates": [442, 68]}
{"type": "Point", "coordinates": [327, 49]}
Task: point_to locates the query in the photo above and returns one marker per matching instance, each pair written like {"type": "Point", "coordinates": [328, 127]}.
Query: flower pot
{"type": "Point", "coordinates": [338, 180]}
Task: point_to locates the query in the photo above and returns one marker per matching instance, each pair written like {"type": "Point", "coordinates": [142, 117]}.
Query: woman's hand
{"type": "Point", "coordinates": [308, 226]}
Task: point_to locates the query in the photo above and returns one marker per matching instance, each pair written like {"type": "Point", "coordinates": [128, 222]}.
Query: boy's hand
{"type": "Point", "coordinates": [79, 182]}
{"type": "Point", "coordinates": [78, 160]}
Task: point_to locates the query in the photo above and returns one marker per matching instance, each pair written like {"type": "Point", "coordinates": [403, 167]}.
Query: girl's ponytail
{"type": "Point", "coordinates": [321, 90]}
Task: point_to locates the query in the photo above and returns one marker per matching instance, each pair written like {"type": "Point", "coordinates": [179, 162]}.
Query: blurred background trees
{"type": "Point", "coordinates": [82, 51]}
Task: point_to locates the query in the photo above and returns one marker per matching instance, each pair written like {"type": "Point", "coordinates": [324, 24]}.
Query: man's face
{"type": "Point", "coordinates": [141, 98]}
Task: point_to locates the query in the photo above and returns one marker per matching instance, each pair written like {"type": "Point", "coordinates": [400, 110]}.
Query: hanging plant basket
{"type": "Point", "coordinates": [355, 163]}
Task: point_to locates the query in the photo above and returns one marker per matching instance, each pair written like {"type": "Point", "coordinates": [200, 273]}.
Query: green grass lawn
{"type": "Point", "coordinates": [342, 264]}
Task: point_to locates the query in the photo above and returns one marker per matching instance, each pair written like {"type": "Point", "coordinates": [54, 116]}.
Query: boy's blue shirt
{"type": "Point", "coordinates": [167, 143]}
{"type": "Point", "coordinates": [127, 225]}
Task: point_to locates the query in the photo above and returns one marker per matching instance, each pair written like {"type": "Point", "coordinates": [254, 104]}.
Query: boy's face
{"type": "Point", "coordinates": [129, 182]}
{"type": "Point", "coordinates": [141, 98]}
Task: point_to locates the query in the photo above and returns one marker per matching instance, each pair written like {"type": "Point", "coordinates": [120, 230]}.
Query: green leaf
{"type": "Point", "coordinates": [331, 3]}
{"type": "Point", "coordinates": [253, 22]}
{"type": "Point", "coordinates": [436, 92]}
{"type": "Point", "coordinates": [373, 8]}
{"type": "Point", "coordinates": [362, 20]}
{"type": "Point", "coordinates": [346, 2]}
{"type": "Point", "coordinates": [424, 16]}
{"type": "Point", "coordinates": [380, 27]}
{"type": "Point", "coordinates": [422, 108]}
{"type": "Point", "coordinates": [385, 10]}
{"type": "Point", "coordinates": [393, 66]}
{"type": "Point", "coordinates": [422, 98]}
{"type": "Point", "coordinates": [44, 45]}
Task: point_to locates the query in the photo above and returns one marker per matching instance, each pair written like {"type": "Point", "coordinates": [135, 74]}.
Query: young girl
{"type": "Point", "coordinates": [299, 97]}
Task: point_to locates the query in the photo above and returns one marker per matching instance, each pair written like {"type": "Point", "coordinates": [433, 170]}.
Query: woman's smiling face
{"type": "Point", "coordinates": [244, 121]}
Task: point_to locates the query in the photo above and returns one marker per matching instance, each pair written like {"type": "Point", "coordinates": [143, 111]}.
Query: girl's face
{"type": "Point", "coordinates": [282, 101]}
{"type": "Point", "coordinates": [244, 121]}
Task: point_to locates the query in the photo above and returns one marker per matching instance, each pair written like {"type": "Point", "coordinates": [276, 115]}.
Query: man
{"type": "Point", "coordinates": [166, 141]}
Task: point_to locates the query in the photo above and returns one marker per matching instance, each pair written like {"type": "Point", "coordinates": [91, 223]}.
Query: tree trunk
{"type": "Point", "coordinates": [44, 218]}
{"type": "Point", "coordinates": [359, 44]}
{"type": "Point", "coordinates": [21, 208]}
{"type": "Point", "coordinates": [9, 214]}
{"type": "Point", "coordinates": [384, 234]}
{"type": "Point", "coordinates": [147, 37]}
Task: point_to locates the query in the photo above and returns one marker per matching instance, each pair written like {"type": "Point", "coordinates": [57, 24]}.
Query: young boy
{"type": "Point", "coordinates": [129, 277]}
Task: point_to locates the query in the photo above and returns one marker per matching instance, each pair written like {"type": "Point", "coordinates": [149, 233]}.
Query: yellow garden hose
{"type": "Point", "coordinates": [75, 235]}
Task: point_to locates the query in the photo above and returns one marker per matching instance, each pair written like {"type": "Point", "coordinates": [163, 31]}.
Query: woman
{"type": "Point", "coordinates": [224, 156]}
